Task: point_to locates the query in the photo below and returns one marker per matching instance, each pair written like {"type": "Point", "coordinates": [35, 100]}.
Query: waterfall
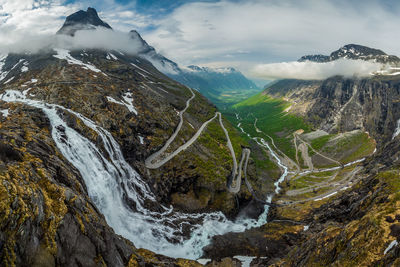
{"type": "Point", "coordinates": [110, 179]}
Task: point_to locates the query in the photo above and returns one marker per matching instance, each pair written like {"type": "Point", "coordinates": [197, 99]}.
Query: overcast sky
{"type": "Point", "coordinates": [234, 33]}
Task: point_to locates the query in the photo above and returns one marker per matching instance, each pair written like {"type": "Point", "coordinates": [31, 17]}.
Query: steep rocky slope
{"type": "Point", "coordinates": [341, 104]}
{"type": "Point", "coordinates": [57, 105]}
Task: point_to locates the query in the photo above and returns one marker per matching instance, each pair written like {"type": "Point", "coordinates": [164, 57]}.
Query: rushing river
{"type": "Point", "coordinates": [109, 179]}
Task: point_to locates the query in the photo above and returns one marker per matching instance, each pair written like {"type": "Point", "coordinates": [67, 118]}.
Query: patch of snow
{"type": "Point", "coordinates": [136, 66]}
{"type": "Point", "coordinates": [141, 139]}
{"type": "Point", "coordinates": [191, 125]}
{"type": "Point", "coordinates": [203, 261]}
{"type": "Point", "coordinates": [21, 60]}
{"type": "Point", "coordinates": [127, 102]}
{"type": "Point", "coordinates": [108, 57]}
{"type": "Point", "coordinates": [113, 57]}
{"type": "Point", "coordinates": [391, 245]}
{"type": "Point", "coordinates": [344, 188]}
{"type": "Point", "coordinates": [110, 99]}
{"type": "Point", "coordinates": [144, 76]}
{"type": "Point", "coordinates": [397, 130]}
{"type": "Point", "coordinates": [245, 260]}
{"type": "Point", "coordinates": [25, 68]}
{"type": "Point", "coordinates": [25, 92]}
{"type": "Point", "coordinates": [2, 63]}
{"type": "Point", "coordinates": [64, 54]}
{"type": "Point", "coordinates": [128, 99]}
{"type": "Point", "coordinates": [331, 194]}
{"type": "Point", "coordinates": [4, 112]}
{"type": "Point", "coordinates": [34, 80]}
{"type": "Point", "coordinates": [306, 227]}
{"type": "Point", "coordinates": [9, 80]}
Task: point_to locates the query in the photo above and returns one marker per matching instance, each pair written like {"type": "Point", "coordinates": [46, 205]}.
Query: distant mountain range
{"type": "Point", "coordinates": [211, 82]}
{"type": "Point", "coordinates": [355, 52]}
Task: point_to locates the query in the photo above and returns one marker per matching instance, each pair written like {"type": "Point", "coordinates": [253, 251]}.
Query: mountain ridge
{"type": "Point", "coordinates": [211, 82]}
{"type": "Point", "coordinates": [354, 52]}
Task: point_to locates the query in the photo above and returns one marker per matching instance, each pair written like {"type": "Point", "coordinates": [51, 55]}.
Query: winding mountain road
{"type": "Point", "coordinates": [149, 161]}
{"type": "Point", "coordinates": [234, 182]}
{"type": "Point", "coordinates": [152, 163]}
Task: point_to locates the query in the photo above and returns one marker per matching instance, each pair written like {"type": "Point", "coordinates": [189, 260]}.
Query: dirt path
{"type": "Point", "coordinates": [320, 154]}
{"type": "Point", "coordinates": [306, 158]}
{"type": "Point", "coordinates": [297, 150]}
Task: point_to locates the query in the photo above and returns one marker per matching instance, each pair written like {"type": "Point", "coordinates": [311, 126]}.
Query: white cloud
{"type": "Point", "coordinates": [315, 71]}
{"type": "Point", "coordinates": [38, 18]}
{"type": "Point", "coordinates": [242, 33]}
{"type": "Point", "coordinates": [21, 18]}
{"type": "Point", "coordinates": [100, 38]}
{"type": "Point", "coordinates": [271, 31]}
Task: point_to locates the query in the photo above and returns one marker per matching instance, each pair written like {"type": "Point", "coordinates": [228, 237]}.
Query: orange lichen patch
{"type": "Point", "coordinates": [187, 263]}
{"type": "Point", "coordinates": [275, 230]}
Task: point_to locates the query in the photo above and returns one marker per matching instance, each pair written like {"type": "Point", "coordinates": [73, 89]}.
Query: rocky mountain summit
{"type": "Point", "coordinates": [82, 20]}
{"type": "Point", "coordinates": [355, 52]}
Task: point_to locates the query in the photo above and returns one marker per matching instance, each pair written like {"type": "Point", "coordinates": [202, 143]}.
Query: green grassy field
{"type": "Point", "coordinates": [229, 98]}
{"type": "Point", "coordinates": [272, 120]}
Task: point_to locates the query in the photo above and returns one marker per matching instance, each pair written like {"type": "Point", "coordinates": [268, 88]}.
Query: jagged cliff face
{"type": "Point", "coordinates": [341, 104]}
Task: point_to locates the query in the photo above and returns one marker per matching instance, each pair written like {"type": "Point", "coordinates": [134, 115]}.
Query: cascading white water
{"type": "Point", "coordinates": [263, 143]}
{"type": "Point", "coordinates": [111, 180]}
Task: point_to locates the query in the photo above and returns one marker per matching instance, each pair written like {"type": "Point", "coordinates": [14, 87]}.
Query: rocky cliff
{"type": "Point", "coordinates": [341, 104]}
